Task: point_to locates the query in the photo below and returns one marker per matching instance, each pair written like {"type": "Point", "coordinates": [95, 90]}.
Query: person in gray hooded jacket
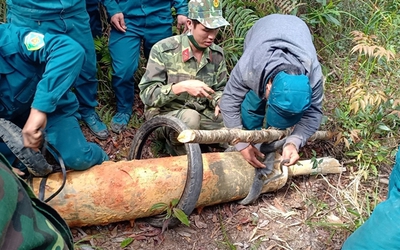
{"type": "Point", "coordinates": [278, 76]}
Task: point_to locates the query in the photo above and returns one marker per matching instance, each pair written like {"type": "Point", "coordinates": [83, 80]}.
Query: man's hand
{"type": "Point", "coordinates": [290, 153]}
{"type": "Point", "coordinates": [250, 154]}
{"type": "Point", "coordinates": [181, 23]}
{"type": "Point", "coordinates": [118, 22]}
{"type": "Point", "coordinates": [31, 133]}
{"type": "Point", "coordinates": [194, 88]}
{"type": "Point", "coordinates": [217, 111]}
{"type": "Point", "coordinates": [18, 172]}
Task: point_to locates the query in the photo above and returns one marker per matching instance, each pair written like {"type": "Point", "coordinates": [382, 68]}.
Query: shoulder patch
{"type": "Point", "coordinates": [185, 55]}
{"type": "Point", "coordinates": [34, 41]}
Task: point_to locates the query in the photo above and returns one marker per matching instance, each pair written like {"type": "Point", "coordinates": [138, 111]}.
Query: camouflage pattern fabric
{"type": "Point", "coordinates": [207, 12]}
{"type": "Point", "coordinates": [25, 222]}
{"type": "Point", "coordinates": [193, 120]}
{"type": "Point", "coordinates": [172, 61]}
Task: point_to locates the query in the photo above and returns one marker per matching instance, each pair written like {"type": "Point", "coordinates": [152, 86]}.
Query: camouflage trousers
{"type": "Point", "coordinates": [25, 221]}
{"type": "Point", "coordinates": [194, 120]}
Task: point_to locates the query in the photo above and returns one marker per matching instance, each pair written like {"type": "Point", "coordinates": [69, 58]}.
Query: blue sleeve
{"type": "Point", "coordinates": [181, 7]}
{"type": "Point", "coordinates": [112, 7]}
{"type": "Point", "coordinates": [63, 59]}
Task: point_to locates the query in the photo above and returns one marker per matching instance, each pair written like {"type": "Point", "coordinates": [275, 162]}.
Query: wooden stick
{"type": "Point", "coordinates": [234, 136]}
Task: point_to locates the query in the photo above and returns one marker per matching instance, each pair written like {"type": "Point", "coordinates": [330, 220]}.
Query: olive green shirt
{"type": "Point", "coordinates": [171, 61]}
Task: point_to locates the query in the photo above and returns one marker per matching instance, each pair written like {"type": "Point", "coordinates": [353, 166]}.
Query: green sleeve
{"type": "Point", "coordinates": [154, 89]}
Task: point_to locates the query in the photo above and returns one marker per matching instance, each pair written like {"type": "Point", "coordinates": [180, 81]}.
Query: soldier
{"type": "Point", "coordinates": [69, 18]}
{"type": "Point", "coordinates": [186, 74]}
{"type": "Point", "coordinates": [25, 221]}
{"type": "Point", "coordinates": [145, 23]}
{"type": "Point", "coordinates": [279, 69]}
{"type": "Point", "coordinates": [37, 71]}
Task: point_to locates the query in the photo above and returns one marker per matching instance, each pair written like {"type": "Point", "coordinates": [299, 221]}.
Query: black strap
{"type": "Point", "coordinates": [42, 186]}
{"type": "Point", "coordinates": [268, 180]}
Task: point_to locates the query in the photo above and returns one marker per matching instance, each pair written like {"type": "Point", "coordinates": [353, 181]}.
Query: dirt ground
{"type": "Point", "coordinates": [309, 212]}
{"type": "Point", "coordinates": [305, 214]}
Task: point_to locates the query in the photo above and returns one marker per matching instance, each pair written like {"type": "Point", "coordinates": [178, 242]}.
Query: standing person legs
{"type": "Point", "coordinates": [86, 86]}
{"type": "Point", "coordinates": [125, 52]}
{"type": "Point", "coordinates": [92, 7]}
{"type": "Point", "coordinates": [155, 29]}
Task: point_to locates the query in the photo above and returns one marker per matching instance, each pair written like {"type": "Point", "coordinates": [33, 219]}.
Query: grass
{"type": "Point", "coordinates": [226, 243]}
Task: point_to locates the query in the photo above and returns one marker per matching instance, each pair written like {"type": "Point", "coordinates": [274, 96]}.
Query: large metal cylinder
{"type": "Point", "coordinates": [126, 190]}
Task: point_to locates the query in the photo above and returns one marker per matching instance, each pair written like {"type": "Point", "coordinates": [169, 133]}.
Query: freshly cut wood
{"type": "Point", "coordinates": [234, 136]}
{"type": "Point", "coordinates": [126, 190]}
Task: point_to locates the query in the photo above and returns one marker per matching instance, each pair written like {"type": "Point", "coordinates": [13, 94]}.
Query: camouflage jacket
{"type": "Point", "coordinates": [172, 61]}
{"type": "Point", "coordinates": [25, 221]}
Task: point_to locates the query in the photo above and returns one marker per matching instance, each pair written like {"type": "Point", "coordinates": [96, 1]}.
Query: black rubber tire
{"type": "Point", "coordinates": [11, 135]}
{"type": "Point", "coordinates": [194, 180]}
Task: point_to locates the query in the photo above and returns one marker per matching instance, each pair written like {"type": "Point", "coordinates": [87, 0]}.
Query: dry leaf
{"type": "Point", "coordinates": [198, 222]}
{"type": "Point", "coordinates": [114, 232]}
{"type": "Point", "coordinates": [334, 219]}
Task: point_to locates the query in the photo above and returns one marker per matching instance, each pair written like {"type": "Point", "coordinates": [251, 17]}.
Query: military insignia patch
{"type": "Point", "coordinates": [34, 41]}
{"type": "Point", "coordinates": [216, 3]}
{"type": "Point", "coordinates": [185, 55]}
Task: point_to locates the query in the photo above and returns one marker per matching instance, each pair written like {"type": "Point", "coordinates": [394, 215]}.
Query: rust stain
{"type": "Point", "coordinates": [69, 196]}
{"type": "Point", "coordinates": [116, 191]}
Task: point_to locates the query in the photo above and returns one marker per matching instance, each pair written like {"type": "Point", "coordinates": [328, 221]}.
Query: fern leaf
{"type": "Point", "coordinates": [241, 20]}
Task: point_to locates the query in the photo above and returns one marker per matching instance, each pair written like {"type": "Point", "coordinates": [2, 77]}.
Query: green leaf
{"type": "Point", "coordinates": [384, 128]}
{"type": "Point", "coordinates": [314, 153]}
{"type": "Point", "coordinates": [169, 213]}
{"type": "Point", "coordinates": [332, 19]}
{"type": "Point", "coordinates": [174, 202]}
{"type": "Point", "coordinates": [157, 206]}
{"type": "Point", "coordinates": [181, 216]}
{"type": "Point", "coordinates": [126, 242]}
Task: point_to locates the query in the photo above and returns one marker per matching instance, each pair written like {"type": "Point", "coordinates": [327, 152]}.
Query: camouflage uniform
{"type": "Point", "coordinates": [26, 222]}
{"type": "Point", "coordinates": [172, 61]}
{"type": "Point", "coordinates": [207, 12]}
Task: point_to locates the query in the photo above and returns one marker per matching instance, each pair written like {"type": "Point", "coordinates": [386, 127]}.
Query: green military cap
{"type": "Point", "coordinates": [207, 12]}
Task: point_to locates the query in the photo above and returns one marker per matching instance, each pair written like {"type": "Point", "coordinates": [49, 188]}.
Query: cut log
{"type": "Point", "coordinates": [126, 190]}
{"type": "Point", "coordinates": [234, 136]}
